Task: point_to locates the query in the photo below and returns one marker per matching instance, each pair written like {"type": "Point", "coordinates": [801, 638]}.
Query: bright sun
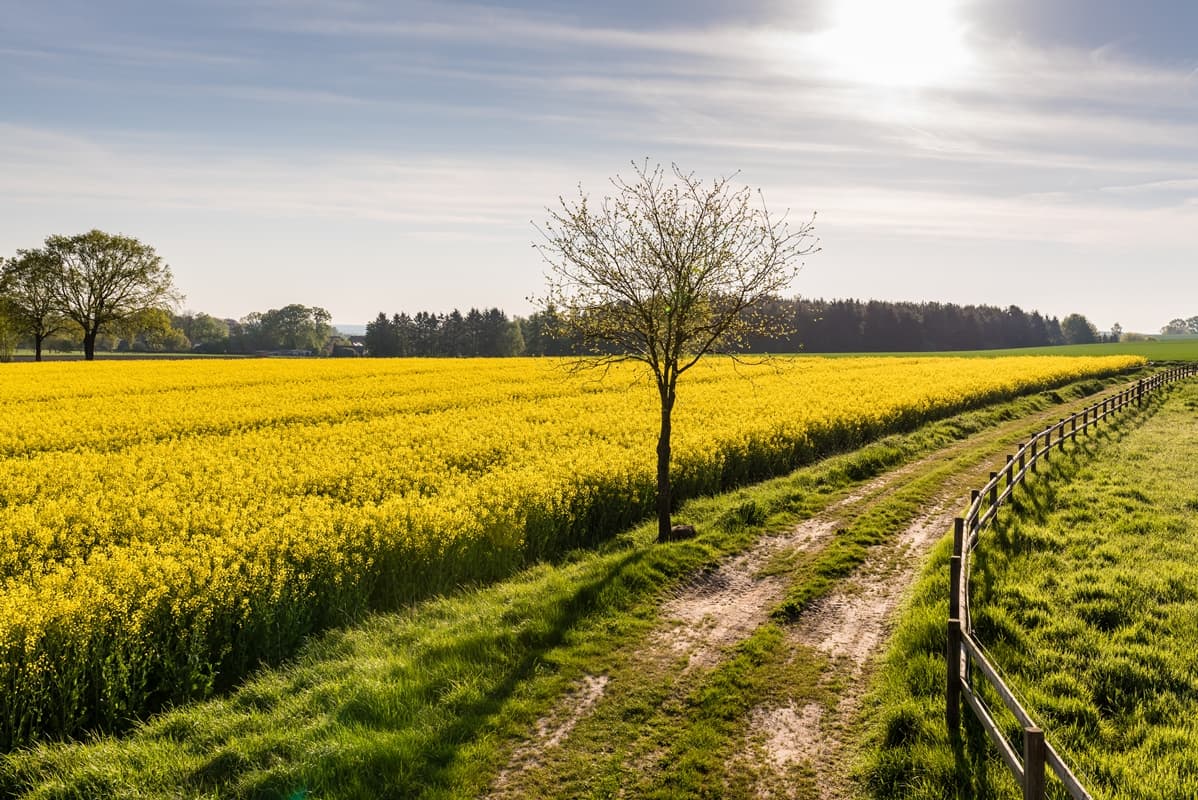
{"type": "Point", "coordinates": [910, 43]}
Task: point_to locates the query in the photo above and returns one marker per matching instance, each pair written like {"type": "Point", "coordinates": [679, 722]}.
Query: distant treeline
{"type": "Point", "coordinates": [475, 333]}
{"type": "Point", "coordinates": [813, 326]}
{"type": "Point", "coordinates": [851, 326]}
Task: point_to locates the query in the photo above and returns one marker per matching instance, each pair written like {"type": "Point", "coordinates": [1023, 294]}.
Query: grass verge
{"type": "Point", "coordinates": [1084, 595]}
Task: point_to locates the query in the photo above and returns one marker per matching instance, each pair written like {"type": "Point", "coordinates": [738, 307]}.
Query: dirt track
{"type": "Point", "coordinates": [708, 616]}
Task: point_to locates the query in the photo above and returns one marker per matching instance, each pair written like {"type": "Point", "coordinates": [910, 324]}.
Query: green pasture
{"type": "Point", "coordinates": [1178, 349]}
{"type": "Point", "coordinates": [1171, 349]}
{"type": "Point", "coordinates": [1085, 594]}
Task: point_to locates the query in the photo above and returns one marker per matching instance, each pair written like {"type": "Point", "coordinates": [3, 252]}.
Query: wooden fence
{"type": "Point", "coordinates": [966, 661]}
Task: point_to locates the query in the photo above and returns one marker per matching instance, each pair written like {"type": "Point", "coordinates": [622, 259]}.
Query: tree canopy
{"type": "Point", "coordinates": [28, 285]}
{"type": "Point", "coordinates": [105, 278]}
{"type": "Point", "coordinates": [1179, 326]}
{"type": "Point", "coordinates": [486, 333]}
{"type": "Point", "coordinates": [663, 271]}
{"type": "Point", "coordinates": [1078, 330]}
{"type": "Point", "coordinates": [293, 327]}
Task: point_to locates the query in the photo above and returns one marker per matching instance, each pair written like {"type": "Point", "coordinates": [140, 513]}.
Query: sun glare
{"type": "Point", "coordinates": [909, 43]}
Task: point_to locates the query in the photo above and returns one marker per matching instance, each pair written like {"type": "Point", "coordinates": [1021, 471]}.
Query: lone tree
{"type": "Point", "coordinates": [105, 279]}
{"type": "Point", "coordinates": [27, 285]}
{"type": "Point", "coordinates": [666, 270]}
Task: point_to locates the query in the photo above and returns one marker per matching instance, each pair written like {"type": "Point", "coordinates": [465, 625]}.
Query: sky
{"type": "Point", "coordinates": [396, 156]}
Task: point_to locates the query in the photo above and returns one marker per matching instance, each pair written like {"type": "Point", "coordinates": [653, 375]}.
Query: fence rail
{"type": "Point", "coordinates": [966, 658]}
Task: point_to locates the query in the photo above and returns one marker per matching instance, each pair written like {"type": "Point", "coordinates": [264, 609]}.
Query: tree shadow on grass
{"type": "Point", "coordinates": [412, 727]}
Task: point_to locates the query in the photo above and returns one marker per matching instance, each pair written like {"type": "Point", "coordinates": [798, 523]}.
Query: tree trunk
{"type": "Point", "coordinates": [37, 347]}
{"type": "Point", "coordinates": [663, 468]}
{"type": "Point", "coordinates": [89, 345]}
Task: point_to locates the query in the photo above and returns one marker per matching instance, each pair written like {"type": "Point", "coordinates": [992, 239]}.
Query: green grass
{"type": "Point", "coordinates": [1166, 349]}
{"type": "Point", "coordinates": [1085, 596]}
{"type": "Point", "coordinates": [1160, 350]}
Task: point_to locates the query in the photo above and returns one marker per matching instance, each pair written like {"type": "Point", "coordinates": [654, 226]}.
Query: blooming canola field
{"type": "Point", "coordinates": [165, 527]}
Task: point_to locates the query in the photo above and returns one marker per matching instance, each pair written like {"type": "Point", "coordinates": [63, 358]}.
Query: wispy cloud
{"type": "Point", "coordinates": [42, 166]}
{"type": "Point", "coordinates": [445, 119]}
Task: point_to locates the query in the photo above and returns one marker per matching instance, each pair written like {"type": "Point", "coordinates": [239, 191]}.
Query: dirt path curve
{"type": "Point", "coordinates": [703, 620]}
{"type": "Point", "coordinates": [850, 626]}
{"type": "Point", "coordinates": [720, 608]}
{"type": "Point", "coordinates": [708, 616]}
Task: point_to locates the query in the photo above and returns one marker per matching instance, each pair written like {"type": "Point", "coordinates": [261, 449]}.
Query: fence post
{"type": "Point", "coordinates": [1010, 471]}
{"type": "Point", "coordinates": [952, 709]}
{"type": "Point", "coordinates": [1022, 459]}
{"type": "Point", "coordinates": [1140, 392]}
{"type": "Point", "coordinates": [1061, 441]}
{"type": "Point", "coordinates": [1033, 764]}
{"type": "Point", "coordinates": [952, 697]}
{"type": "Point", "coordinates": [954, 602]}
{"type": "Point", "coordinates": [1073, 424]}
{"type": "Point", "coordinates": [993, 489]}
{"type": "Point", "coordinates": [974, 494]}
{"type": "Point", "coordinates": [1035, 450]}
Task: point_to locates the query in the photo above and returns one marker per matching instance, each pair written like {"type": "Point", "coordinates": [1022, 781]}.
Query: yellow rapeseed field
{"type": "Point", "coordinates": [166, 526]}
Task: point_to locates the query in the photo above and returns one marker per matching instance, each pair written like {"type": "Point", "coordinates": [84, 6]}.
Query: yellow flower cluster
{"type": "Point", "coordinates": [166, 526]}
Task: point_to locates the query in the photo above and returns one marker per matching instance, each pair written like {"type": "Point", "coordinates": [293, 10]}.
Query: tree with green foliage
{"type": "Point", "coordinates": [382, 337]}
{"type": "Point", "coordinates": [663, 272]}
{"type": "Point", "coordinates": [295, 327]}
{"type": "Point", "coordinates": [27, 284]}
{"type": "Point", "coordinates": [511, 341]}
{"type": "Point", "coordinates": [1176, 327]}
{"type": "Point", "coordinates": [203, 330]}
{"type": "Point", "coordinates": [9, 333]}
{"type": "Point", "coordinates": [151, 330]}
{"type": "Point", "coordinates": [103, 279]}
{"type": "Point", "coordinates": [1078, 330]}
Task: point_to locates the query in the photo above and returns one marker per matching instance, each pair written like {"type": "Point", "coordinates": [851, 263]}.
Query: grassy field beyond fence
{"type": "Point", "coordinates": [1086, 598]}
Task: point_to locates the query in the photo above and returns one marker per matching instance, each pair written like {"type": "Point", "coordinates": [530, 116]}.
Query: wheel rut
{"type": "Point", "coordinates": [850, 626]}
{"type": "Point", "coordinates": [701, 622]}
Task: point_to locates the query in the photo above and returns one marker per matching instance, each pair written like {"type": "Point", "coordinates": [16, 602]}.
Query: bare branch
{"type": "Point", "coordinates": [665, 272]}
